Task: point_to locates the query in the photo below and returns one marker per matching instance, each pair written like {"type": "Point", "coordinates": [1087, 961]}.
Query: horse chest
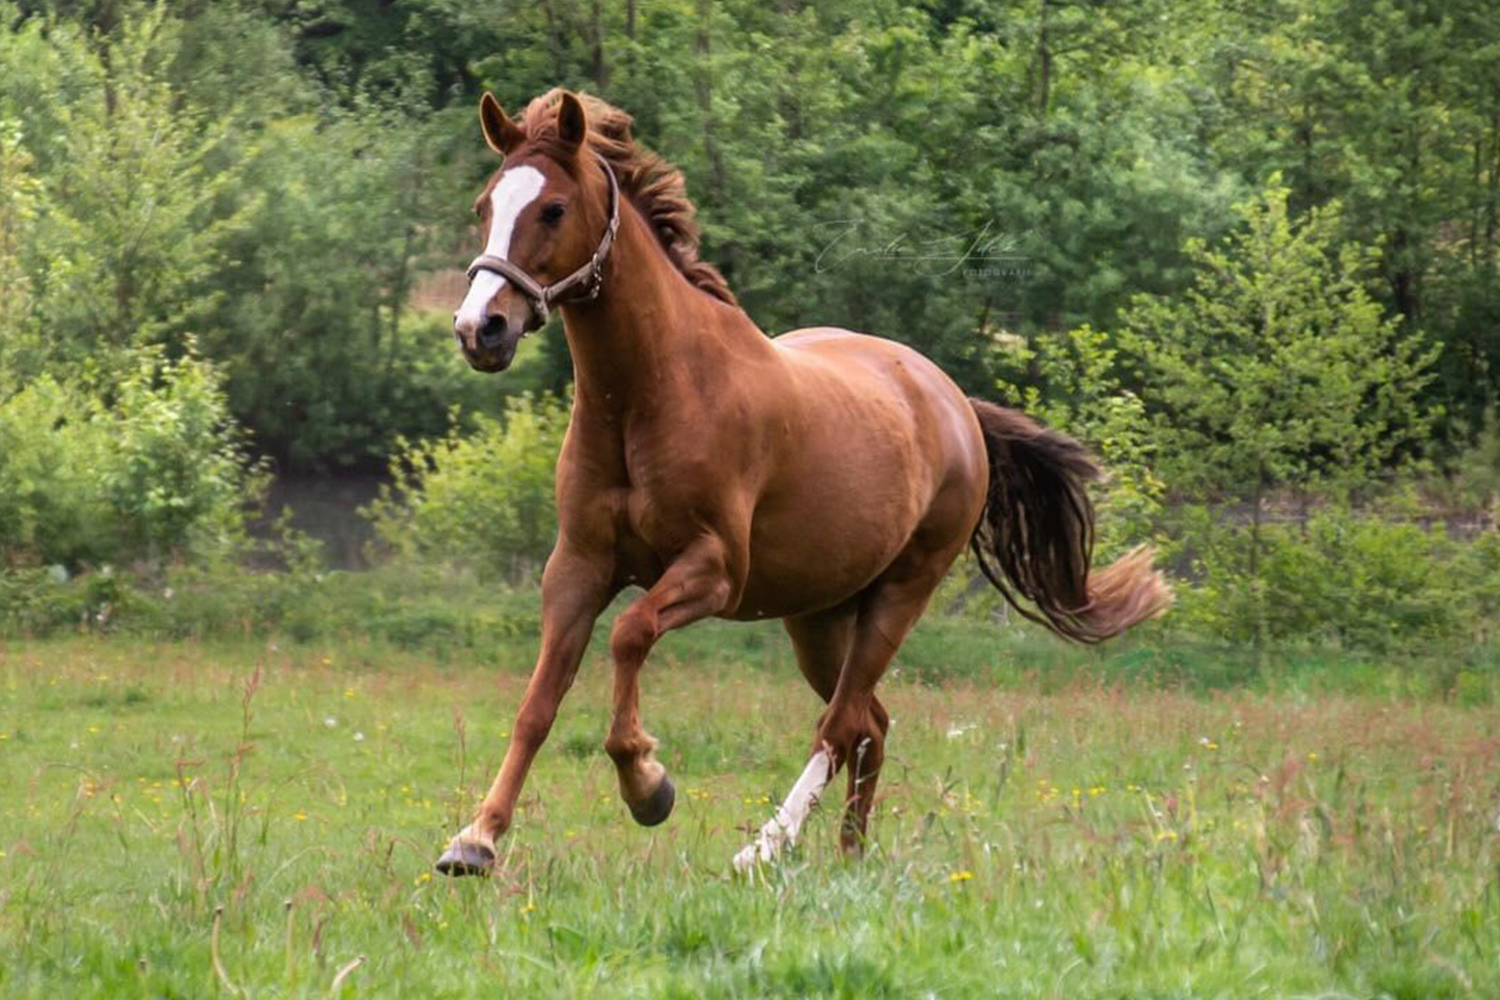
{"type": "Point", "coordinates": [663, 517]}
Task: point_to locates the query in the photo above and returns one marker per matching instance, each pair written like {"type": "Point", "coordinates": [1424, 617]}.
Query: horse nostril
{"type": "Point", "coordinates": [492, 333]}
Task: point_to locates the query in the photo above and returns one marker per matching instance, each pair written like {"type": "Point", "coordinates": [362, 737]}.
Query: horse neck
{"type": "Point", "coordinates": [648, 321]}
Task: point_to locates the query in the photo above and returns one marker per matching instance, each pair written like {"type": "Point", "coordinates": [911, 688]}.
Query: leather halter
{"type": "Point", "coordinates": [590, 275]}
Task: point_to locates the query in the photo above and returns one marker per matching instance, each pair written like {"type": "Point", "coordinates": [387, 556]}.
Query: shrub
{"type": "Point", "coordinates": [484, 501]}
{"type": "Point", "coordinates": [52, 441]}
{"type": "Point", "coordinates": [1357, 581]}
{"type": "Point", "coordinates": [149, 468]}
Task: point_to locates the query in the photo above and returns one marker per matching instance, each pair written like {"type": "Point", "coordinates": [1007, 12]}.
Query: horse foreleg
{"type": "Point", "coordinates": [574, 591]}
{"type": "Point", "coordinates": [697, 584]}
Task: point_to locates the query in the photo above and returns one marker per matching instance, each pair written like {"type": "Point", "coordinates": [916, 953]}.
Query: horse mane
{"type": "Point", "coordinates": [654, 186]}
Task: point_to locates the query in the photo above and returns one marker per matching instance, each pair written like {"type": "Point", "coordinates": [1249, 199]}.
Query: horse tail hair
{"type": "Point", "coordinates": [1035, 539]}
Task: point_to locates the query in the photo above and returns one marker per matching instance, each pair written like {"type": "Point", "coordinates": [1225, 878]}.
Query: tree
{"type": "Point", "coordinates": [1277, 368]}
{"type": "Point", "coordinates": [20, 348]}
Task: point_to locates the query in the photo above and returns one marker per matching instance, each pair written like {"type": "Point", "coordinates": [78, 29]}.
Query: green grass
{"type": "Point", "coordinates": [1085, 837]}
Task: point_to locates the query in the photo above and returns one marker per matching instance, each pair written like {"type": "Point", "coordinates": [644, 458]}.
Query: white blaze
{"type": "Point", "coordinates": [517, 189]}
{"type": "Point", "coordinates": [785, 825]}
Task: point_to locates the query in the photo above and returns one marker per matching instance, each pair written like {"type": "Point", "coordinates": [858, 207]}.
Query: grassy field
{"type": "Point", "coordinates": [180, 820]}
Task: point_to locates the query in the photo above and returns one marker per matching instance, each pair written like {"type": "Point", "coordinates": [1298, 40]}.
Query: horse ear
{"type": "Point", "coordinates": [572, 123]}
{"type": "Point", "coordinates": [500, 132]}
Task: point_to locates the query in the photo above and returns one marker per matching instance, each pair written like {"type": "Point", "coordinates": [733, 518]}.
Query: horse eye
{"type": "Point", "coordinates": [552, 214]}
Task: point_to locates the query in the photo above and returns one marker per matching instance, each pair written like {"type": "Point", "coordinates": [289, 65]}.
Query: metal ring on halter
{"type": "Point", "coordinates": [591, 274]}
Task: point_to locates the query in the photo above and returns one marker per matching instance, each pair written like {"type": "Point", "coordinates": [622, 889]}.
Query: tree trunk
{"type": "Point", "coordinates": [1492, 206]}
{"type": "Point", "coordinates": [718, 181]}
{"type": "Point", "coordinates": [399, 291]}
{"type": "Point", "coordinates": [600, 67]}
{"type": "Point", "coordinates": [1044, 64]}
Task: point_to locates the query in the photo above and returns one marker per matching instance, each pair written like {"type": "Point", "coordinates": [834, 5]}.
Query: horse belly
{"type": "Point", "coordinates": [886, 444]}
{"type": "Point", "coordinates": [822, 548]}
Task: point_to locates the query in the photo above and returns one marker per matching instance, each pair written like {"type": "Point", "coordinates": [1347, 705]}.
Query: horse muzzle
{"type": "Point", "coordinates": [491, 347]}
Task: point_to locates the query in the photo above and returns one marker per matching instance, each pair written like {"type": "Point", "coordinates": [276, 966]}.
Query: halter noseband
{"type": "Point", "coordinates": [590, 275]}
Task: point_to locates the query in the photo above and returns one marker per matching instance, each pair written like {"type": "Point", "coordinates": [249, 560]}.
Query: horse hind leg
{"type": "Point", "coordinates": [822, 641]}
{"type": "Point", "coordinates": [852, 729]}
{"type": "Point", "coordinates": [864, 773]}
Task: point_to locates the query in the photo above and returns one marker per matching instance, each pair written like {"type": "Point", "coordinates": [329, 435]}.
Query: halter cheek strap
{"type": "Point", "coordinates": [590, 276]}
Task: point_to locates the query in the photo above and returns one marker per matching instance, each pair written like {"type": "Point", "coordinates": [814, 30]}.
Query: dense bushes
{"type": "Point", "coordinates": [483, 500]}
{"type": "Point", "coordinates": [148, 467]}
{"type": "Point", "coordinates": [1343, 579]}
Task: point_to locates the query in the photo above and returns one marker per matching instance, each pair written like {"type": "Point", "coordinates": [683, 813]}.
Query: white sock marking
{"type": "Point", "coordinates": [517, 189]}
{"type": "Point", "coordinates": [782, 829]}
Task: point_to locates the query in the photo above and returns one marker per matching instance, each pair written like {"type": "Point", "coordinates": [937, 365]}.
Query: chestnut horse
{"type": "Point", "coordinates": [825, 478]}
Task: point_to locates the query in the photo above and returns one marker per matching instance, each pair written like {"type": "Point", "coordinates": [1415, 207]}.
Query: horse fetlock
{"type": "Point", "coordinates": [630, 749]}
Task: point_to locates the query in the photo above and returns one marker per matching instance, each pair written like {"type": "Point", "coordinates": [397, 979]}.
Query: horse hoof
{"type": "Point", "coordinates": [465, 858]}
{"type": "Point", "coordinates": [658, 807]}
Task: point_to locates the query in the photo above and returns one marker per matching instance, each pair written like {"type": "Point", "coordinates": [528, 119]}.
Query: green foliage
{"type": "Point", "coordinates": [1390, 108]}
{"type": "Point", "coordinates": [151, 469]}
{"type": "Point", "coordinates": [1342, 580]}
{"type": "Point", "coordinates": [175, 476]}
{"type": "Point", "coordinates": [294, 169]}
{"type": "Point", "coordinates": [482, 500]}
{"type": "Point", "coordinates": [20, 345]}
{"type": "Point", "coordinates": [1076, 386]}
{"type": "Point", "coordinates": [326, 360]}
{"type": "Point", "coordinates": [1276, 367]}
{"type": "Point", "coordinates": [169, 196]}
{"type": "Point", "coordinates": [271, 181]}
{"type": "Point", "coordinates": [52, 441]}
{"type": "Point", "coordinates": [1476, 472]}
{"type": "Point", "coordinates": [131, 232]}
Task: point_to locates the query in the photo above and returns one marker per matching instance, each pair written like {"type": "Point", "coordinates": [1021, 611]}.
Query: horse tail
{"type": "Point", "coordinates": [1035, 539]}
